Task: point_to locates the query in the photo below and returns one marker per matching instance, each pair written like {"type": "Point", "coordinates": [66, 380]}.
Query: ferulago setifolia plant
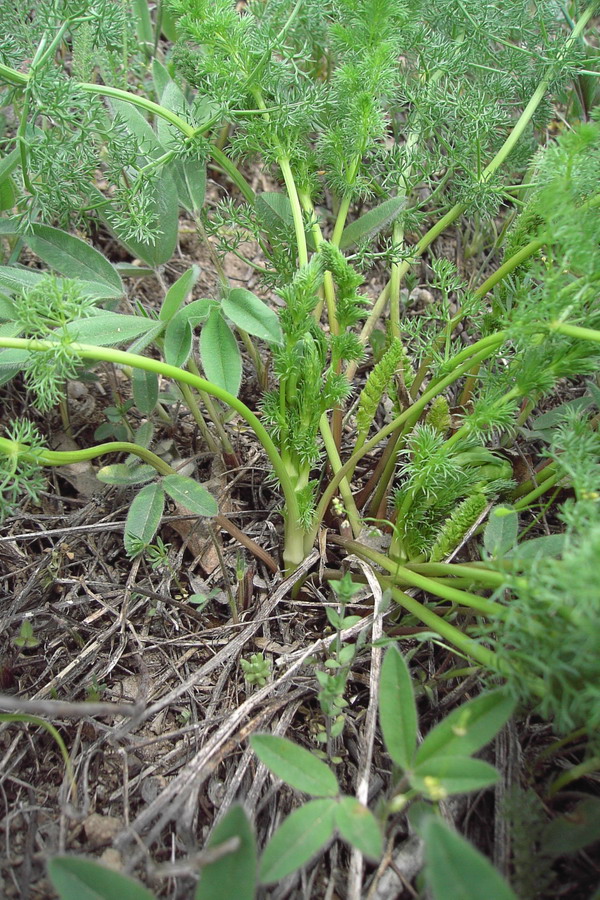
{"type": "Point", "coordinates": [425, 116]}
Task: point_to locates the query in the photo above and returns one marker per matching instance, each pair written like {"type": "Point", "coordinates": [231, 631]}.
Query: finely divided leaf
{"type": "Point", "coordinates": [457, 871]}
{"type": "Point", "coordinates": [295, 765]}
{"type": "Point", "coordinates": [82, 879]}
{"type": "Point", "coordinates": [397, 709]}
{"type": "Point", "coordinates": [190, 494]}
{"type": "Point", "coordinates": [234, 875]}
{"type": "Point", "coordinates": [468, 728]}
{"type": "Point", "coordinates": [15, 278]}
{"type": "Point", "coordinates": [304, 832]}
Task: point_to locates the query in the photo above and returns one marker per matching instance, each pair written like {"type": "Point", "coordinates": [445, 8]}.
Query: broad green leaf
{"type": "Point", "coordinates": [120, 473]}
{"type": "Point", "coordinates": [163, 204]}
{"type": "Point", "coordinates": [397, 709]}
{"type": "Point", "coordinates": [295, 765]}
{"type": "Point", "coordinates": [178, 292]}
{"type": "Point", "coordinates": [372, 222]}
{"type": "Point", "coordinates": [469, 727]}
{"type": "Point", "coordinates": [144, 516]}
{"type": "Point", "coordinates": [358, 826]}
{"type": "Point", "coordinates": [220, 354]}
{"type": "Point", "coordinates": [148, 143]}
{"type": "Point", "coordinates": [8, 194]}
{"type": "Point", "coordinates": [298, 838]}
{"type": "Point", "coordinates": [128, 270]}
{"type": "Point", "coordinates": [178, 341]}
{"type": "Point", "coordinates": [575, 831]}
{"type": "Point", "coordinates": [10, 226]}
{"type": "Point", "coordinates": [169, 24]}
{"type": "Point", "coordinates": [274, 211]}
{"type": "Point", "coordinates": [442, 776]}
{"type": "Point", "coordinates": [501, 531]}
{"type": "Point", "coordinates": [160, 76]}
{"type": "Point", "coordinates": [7, 308]}
{"type": "Point", "coordinates": [145, 390]}
{"type": "Point", "coordinates": [234, 875]}
{"type": "Point", "coordinates": [72, 257]}
{"type": "Point", "coordinates": [144, 340]}
{"type": "Point", "coordinates": [178, 336]}
{"type": "Point", "coordinates": [547, 545]}
{"type": "Point", "coordinates": [107, 329]}
{"type": "Point", "coordinates": [190, 494]}
{"type": "Point", "coordinates": [14, 278]}
{"type": "Point", "coordinates": [249, 312]}
{"type": "Point", "coordinates": [188, 174]}
{"type": "Point", "coordinates": [143, 437]}
{"type": "Point", "coordinates": [190, 178]}
{"type": "Point", "coordinates": [9, 163]}
{"type": "Point", "coordinates": [11, 362]}
{"type": "Point", "coordinates": [82, 879]}
{"type": "Point", "coordinates": [143, 22]}
{"type": "Point", "coordinates": [457, 871]}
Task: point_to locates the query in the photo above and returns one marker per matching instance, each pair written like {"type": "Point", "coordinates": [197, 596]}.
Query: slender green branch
{"type": "Point", "coordinates": [122, 357]}
{"type": "Point", "coordinates": [402, 575]}
{"type": "Point", "coordinates": [414, 411]}
{"type": "Point", "coordinates": [336, 465]}
{"type": "Point", "coordinates": [286, 171]}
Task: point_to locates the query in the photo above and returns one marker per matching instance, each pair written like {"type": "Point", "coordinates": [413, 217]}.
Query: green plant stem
{"type": "Point", "coordinates": [68, 457]}
{"type": "Point", "coordinates": [286, 171]}
{"type": "Point", "coordinates": [395, 281]}
{"type": "Point", "coordinates": [413, 412]}
{"type": "Point", "coordinates": [190, 400]}
{"type": "Point", "coordinates": [470, 647]}
{"type": "Point", "coordinates": [509, 266]}
{"type": "Point", "coordinates": [527, 486]}
{"type": "Point", "coordinates": [472, 572]}
{"type": "Point", "coordinates": [459, 208]}
{"type": "Point", "coordinates": [381, 490]}
{"type": "Point", "coordinates": [122, 357]}
{"type": "Point", "coordinates": [212, 411]}
{"type": "Point", "coordinates": [526, 501]}
{"type": "Point", "coordinates": [576, 331]}
{"type": "Point", "coordinates": [189, 131]}
{"type": "Point", "coordinates": [402, 575]}
{"type": "Point", "coordinates": [336, 465]}
{"type": "Point", "coordinates": [328, 285]}
{"type": "Point", "coordinates": [576, 772]}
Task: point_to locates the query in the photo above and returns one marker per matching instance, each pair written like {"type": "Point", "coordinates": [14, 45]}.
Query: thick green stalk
{"type": "Point", "coordinates": [336, 465]}
{"type": "Point", "coordinates": [576, 331]}
{"type": "Point", "coordinates": [68, 457]}
{"type": "Point", "coordinates": [470, 647]}
{"type": "Point", "coordinates": [286, 171]}
{"type": "Point", "coordinates": [402, 575]}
